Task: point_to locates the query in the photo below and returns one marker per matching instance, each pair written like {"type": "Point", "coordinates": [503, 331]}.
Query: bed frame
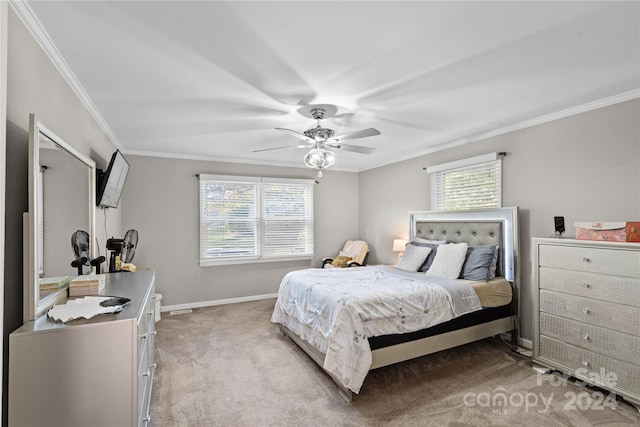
{"type": "Point", "coordinates": [495, 227]}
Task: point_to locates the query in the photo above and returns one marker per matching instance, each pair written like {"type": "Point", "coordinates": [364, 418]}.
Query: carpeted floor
{"type": "Point", "coordinates": [230, 366]}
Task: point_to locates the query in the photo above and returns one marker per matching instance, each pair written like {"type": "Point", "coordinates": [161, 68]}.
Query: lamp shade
{"type": "Point", "coordinates": [399, 245]}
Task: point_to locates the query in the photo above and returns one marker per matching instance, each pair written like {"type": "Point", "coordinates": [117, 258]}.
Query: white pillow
{"type": "Point", "coordinates": [448, 261]}
{"type": "Point", "coordinates": [413, 258]}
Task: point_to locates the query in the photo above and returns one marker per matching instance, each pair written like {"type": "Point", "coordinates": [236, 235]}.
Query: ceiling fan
{"type": "Point", "coordinates": [321, 140]}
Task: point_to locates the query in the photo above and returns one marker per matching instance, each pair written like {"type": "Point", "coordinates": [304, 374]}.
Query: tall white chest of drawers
{"type": "Point", "coordinates": [586, 297]}
{"type": "Point", "coordinates": [96, 372]}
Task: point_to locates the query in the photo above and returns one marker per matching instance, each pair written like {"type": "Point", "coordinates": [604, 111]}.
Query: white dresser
{"type": "Point", "coordinates": [586, 297]}
{"type": "Point", "coordinates": [96, 372]}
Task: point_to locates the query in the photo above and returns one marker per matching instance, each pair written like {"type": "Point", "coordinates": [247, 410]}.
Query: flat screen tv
{"type": "Point", "coordinates": [111, 182]}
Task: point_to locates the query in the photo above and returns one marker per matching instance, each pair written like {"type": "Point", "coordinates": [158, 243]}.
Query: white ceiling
{"type": "Point", "coordinates": [212, 79]}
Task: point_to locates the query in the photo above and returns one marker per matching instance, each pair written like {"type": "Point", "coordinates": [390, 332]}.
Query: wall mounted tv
{"type": "Point", "coordinates": [111, 182]}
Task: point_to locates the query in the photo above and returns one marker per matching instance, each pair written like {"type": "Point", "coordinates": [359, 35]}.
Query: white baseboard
{"type": "Point", "coordinates": [522, 342]}
{"type": "Point", "coordinates": [215, 302]}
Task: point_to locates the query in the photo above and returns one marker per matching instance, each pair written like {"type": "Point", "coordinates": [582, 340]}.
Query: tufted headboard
{"type": "Point", "coordinates": [484, 227]}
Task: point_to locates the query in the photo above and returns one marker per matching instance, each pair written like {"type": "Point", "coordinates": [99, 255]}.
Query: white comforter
{"type": "Point", "coordinates": [335, 310]}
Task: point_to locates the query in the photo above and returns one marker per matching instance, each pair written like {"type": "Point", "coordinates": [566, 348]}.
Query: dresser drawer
{"type": "Point", "coordinates": [624, 290]}
{"type": "Point", "coordinates": [147, 315]}
{"type": "Point", "coordinates": [144, 417]}
{"type": "Point", "coordinates": [144, 383]}
{"type": "Point", "coordinates": [145, 324]}
{"type": "Point", "coordinates": [627, 376]}
{"type": "Point", "coordinates": [609, 343]}
{"type": "Point", "coordinates": [609, 315]}
{"type": "Point", "coordinates": [143, 376]}
{"type": "Point", "coordinates": [151, 345]}
{"type": "Point", "coordinates": [595, 260]}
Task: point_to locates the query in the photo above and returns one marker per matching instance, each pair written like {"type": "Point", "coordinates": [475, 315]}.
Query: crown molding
{"type": "Point", "coordinates": [29, 19]}
{"type": "Point", "coordinates": [444, 145]}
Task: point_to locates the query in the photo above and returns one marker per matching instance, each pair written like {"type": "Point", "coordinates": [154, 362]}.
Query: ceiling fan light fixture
{"type": "Point", "coordinates": [319, 158]}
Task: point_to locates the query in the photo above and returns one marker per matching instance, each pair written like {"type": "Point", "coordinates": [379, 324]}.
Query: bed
{"type": "Point", "coordinates": [350, 321]}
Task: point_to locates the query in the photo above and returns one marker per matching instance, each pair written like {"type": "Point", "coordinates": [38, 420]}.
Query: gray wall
{"type": "Point", "coordinates": [34, 85]}
{"type": "Point", "coordinates": [584, 167]}
{"type": "Point", "coordinates": [160, 200]}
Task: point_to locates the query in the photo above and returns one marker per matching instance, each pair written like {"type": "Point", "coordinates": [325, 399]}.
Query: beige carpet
{"type": "Point", "coordinates": [230, 366]}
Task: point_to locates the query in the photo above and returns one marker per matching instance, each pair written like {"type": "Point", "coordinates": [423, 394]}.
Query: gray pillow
{"type": "Point", "coordinates": [477, 263]}
{"type": "Point", "coordinates": [427, 262]}
{"type": "Point", "coordinates": [493, 270]}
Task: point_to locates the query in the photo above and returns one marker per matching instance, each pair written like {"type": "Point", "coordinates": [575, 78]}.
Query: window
{"type": "Point", "coordinates": [250, 219]}
{"type": "Point", "coordinates": [474, 183]}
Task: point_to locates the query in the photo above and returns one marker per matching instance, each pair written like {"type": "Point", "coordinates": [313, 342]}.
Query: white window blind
{"type": "Point", "coordinates": [477, 184]}
{"type": "Point", "coordinates": [287, 218]}
{"type": "Point", "coordinates": [250, 219]}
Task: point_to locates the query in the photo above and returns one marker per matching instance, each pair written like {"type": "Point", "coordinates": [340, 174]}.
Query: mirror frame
{"type": "Point", "coordinates": [33, 306]}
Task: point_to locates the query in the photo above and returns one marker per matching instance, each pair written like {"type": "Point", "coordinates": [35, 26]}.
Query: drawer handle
{"type": "Point", "coordinates": [147, 419]}
{"type": "Point", "coordinates": [586, 285]}
{"type": "Point", "coordinates": [154, 333]}
{"type": "Point", "coordinates": [150, 313]}
{"type": "Point", "coordinates": [585, 363]}
{"type": "Point", "coordinates": [586, 311]}
{"type": "Point", "coordinates": [586, 259]}
{"type": "Point", "coordinates": [144, 337]}
{"type": "Point", "coordinates": [586, 337]}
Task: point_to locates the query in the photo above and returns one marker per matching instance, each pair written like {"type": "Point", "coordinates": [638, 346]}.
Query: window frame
{"type": "Point", "coordinates": [260, 219]}
{"type": "Point", "coordinates": [492, 162]}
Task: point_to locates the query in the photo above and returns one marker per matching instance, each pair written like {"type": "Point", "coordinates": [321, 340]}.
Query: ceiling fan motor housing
{"type": "Point", "coordinates": [318, 113]}
{"type": "Point", "coordinates": [319, 134]}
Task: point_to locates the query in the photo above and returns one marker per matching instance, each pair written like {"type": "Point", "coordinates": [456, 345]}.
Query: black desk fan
{"type": "Point", "coordinates": [124, 248]}
{"type": "Point", "coordinates": [80, 245]}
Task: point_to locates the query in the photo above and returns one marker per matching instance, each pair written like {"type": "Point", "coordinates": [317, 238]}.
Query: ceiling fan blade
{"type": "Point", "coordinates": [270, 149]}
{"type": "Point", "coordinates": [354, 135]}
{"type": "Point", "coordinates": [298, 135]}
{"type": "Point", "coordinates": [356, 148]}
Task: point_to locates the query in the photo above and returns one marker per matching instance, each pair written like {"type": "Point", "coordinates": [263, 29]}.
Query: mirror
{"type": "Point", "coordinates": [61, 201]}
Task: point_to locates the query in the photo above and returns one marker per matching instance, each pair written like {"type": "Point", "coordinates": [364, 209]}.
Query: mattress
{"type": "Point", "coordinates": [495, 297]}
{"type": "Point", "coordinates": [494, 293]}
{"type": "Point", "coordinates": [471, 319]}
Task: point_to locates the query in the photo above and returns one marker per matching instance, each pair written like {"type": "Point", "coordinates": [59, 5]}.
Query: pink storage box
{"type": "Point", "coordinates": [611, 231]}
